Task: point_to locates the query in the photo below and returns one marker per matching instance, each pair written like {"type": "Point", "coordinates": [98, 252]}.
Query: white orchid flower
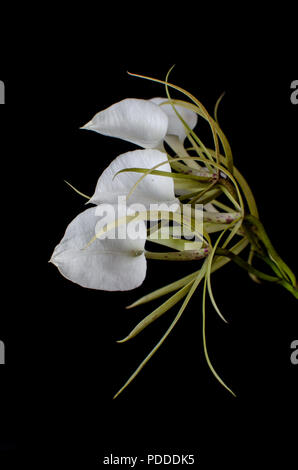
{"type": "Point", "coordinates": [152, 189]}
{"type": "Point", "coordinates": [106, 264]}
{"type": "Point", "coordinates": [146, 123]}
{"type": "Point", "coordinates": [120, 263]}
{"type": "Point", "coordinates": [175, 125]}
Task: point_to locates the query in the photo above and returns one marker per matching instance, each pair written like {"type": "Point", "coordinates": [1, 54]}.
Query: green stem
{"type": "Point", "coordinates": [256, 228]}
{"type": "Point", "coordinates": [243, 264]}
{"type": "Point", "coordinates": [188, 255]}
{"type": "Point", "coordinates": [259, 274]}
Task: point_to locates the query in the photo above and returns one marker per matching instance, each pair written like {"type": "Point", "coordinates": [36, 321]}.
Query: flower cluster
{"type": "Point", "coordinates": [188, 198]}
{"type": "Point", "coordinates": [105, 263]}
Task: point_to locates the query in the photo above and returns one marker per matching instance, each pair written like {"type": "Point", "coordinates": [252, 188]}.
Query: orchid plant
{"type": "Point", "coordinates": [139, 198]}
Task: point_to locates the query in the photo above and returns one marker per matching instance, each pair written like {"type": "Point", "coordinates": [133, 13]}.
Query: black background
{"type": "Point", "coordinates": [63, 363]}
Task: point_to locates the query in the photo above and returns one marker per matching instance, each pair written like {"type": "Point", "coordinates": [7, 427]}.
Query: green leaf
{"type": "Point", "coordinates": [205, 343]}
{"type": "Point", "coordinates": [158, 311]}
{"type": "Point", "coordinates": [164, 290]}
{"type": "Point", "coordinates": [203, 112]}
{"type": "Point", "coordinates": [247, 193]}
{"type": "Point", "coordinates": [208, 275]}
{"type": "Point", "coordinates": [167, 174]}
{"type": "Point", "coordinates": [77, 191]}
{"type": "Point", "coordinates": [219, 262]}
{"type": "Point", "coordinates": [161, 341]}
{"type": "Point", "coordinates": [217, 105]}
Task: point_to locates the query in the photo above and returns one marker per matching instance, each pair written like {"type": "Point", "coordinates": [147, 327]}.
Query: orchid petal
{"type": "Point", "coordinates": [152, 189]}
{"type": "Point", "coordinates": [139, 121]}
{"type": "Point", "coordinates": [106, 264]}
{"type": "Point", "coordinates": [175, 126]}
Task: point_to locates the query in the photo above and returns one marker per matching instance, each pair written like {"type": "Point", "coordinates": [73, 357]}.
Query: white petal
{"type": "Point", "coordinates": [175, 126]}
{"type": "Point", "coordinates": [138, 121]}
{"type": "Point", "coordinates": [105, 264]}
{"type": "Point", "coordinates": [151, 190]}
